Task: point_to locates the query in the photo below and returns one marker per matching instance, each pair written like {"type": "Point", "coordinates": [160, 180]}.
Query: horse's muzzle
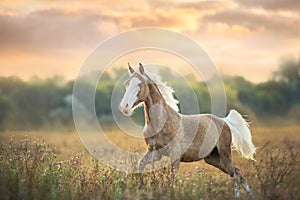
{"type": "Point", "coordinates": [125, 110]}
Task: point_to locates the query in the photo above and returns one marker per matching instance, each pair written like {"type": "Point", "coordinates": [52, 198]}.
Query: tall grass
{"type": "Point", "coordinates": [277, 172]}
{"type": "Point", "coordinates": [30, 169]}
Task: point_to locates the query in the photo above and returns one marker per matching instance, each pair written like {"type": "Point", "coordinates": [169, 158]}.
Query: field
{"type": "Point", "coordinates": [47, 165]}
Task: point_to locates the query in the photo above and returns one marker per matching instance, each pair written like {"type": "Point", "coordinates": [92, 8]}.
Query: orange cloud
{"type": "Point", "coordinates": [49, 37]}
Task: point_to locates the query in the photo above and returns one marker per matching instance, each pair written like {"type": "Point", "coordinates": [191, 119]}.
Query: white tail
{"type": "Point", "coordinates": [241, 135]}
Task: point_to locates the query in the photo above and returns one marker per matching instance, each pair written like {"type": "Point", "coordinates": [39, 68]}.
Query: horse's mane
{"type": "Point", "coordinates": [165, 90]}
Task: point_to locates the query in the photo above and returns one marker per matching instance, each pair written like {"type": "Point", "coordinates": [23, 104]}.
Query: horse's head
{"type": "Point", "coordinates": [136, 90]}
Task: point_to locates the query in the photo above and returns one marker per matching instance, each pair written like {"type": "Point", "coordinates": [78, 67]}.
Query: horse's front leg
{"type": "Point", "coordinates": [174, 153]}
{"type": "Point", "coordinates": [149, 157]}
{"type": "Point", "coordinates": [175, 165]}
{"type": "Point", "coordinates": [146, 159]}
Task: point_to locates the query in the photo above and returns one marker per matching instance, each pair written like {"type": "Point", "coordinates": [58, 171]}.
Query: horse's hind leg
{"type": "Point", "coordinates": [224, 163]}
{"type": "Point", "coordinates": [221, 158]}
{"type": "Point", "coordinates": [225, 157]}
{"type": "Point", "coordinates": [214, 160]}
{"type": "Point", "coordinates": [224, 150]}
{"type": "Point", "coordinates": [234, 172]}
{"type": "Point", "coordinates": [243, 182]}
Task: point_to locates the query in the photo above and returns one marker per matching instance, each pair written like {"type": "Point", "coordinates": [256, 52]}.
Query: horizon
{"type": "Point", "coordinates": [113, 70]}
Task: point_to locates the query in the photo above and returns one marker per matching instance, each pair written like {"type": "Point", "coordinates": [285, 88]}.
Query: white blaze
{"type": "Point", "coordinates": [130, 96]}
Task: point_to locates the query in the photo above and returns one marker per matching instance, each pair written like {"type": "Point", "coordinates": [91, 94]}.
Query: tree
{"type": "Point", "coordinates": [5, 107]}
{"type": "Point", "coordinates": [289, 70]}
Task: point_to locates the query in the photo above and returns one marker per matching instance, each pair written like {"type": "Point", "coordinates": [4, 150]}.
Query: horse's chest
{"type": "Point", "coordinates": [158, 140]}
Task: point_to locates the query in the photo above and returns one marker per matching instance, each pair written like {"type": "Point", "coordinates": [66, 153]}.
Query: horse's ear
{"type": "Point", "coordinates": [141, 68]}
{"type": "Point", "coordinates": [130, 69]}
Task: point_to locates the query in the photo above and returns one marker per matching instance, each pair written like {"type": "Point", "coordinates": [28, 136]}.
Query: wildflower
{"type": "Point", "coordinates": [198, 170]}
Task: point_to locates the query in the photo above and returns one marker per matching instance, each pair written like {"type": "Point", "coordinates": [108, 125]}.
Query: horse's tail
{"type": "Point", "coordinates": [241, 135]}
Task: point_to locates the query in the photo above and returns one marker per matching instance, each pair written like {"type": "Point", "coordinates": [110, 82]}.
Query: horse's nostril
{"type": "Point", "coordinates": [126, 105]}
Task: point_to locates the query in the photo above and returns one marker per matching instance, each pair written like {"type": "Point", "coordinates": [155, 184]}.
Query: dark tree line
{"type": "Point", "coordinates": [47, 103]}
{"type": "Point", "coordinates": [277, 97]}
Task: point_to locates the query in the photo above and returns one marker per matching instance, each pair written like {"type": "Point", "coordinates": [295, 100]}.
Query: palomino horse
{"type": "Point", "coordinates": [185, 138]}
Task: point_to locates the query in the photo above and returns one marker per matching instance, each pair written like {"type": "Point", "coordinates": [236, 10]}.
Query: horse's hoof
{"type": "Point", "coordinates": [237, 193]}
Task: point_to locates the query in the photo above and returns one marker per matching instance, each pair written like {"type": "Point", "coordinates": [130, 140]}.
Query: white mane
{"type": "Point", "coordinates": [166, 91]}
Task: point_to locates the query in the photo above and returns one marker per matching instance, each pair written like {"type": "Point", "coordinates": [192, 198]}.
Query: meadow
{"type": "Point", "coordinates": [55, 165]}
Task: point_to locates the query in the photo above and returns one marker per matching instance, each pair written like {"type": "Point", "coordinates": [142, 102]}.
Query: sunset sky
{"type": "Point", "coordinates": [243, 37]}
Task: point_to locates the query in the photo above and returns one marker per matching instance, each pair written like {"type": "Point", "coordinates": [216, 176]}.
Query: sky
{"type": "Point", "coordinates": [242, 37]}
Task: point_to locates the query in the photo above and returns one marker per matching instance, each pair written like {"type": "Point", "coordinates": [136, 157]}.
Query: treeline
{"type": "Point", "coordinates": [47, 103]}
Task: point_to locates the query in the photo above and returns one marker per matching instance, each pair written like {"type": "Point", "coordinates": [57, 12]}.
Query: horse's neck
{"type": "Point", "coordinates": [154, 99]}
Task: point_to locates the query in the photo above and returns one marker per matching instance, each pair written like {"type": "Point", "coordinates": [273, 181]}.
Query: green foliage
{"type": "Point", "coordinates": [276, 97]}
{"type": "Point", "coordinates": [5, 108]}
{"type": "Point", "coordinates": [29, 104]}
{"type": "Point", "coordinates": [47, 103]}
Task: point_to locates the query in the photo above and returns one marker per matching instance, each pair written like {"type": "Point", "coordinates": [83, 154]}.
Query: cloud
{"type": "Point", "coordinates": [58, 29]}
{"type": "Point", "coordinates": [172, 19]}
{"type": "Point", "coordinates": [204, 5]}
{"type": "Point", "coordinates": [54, 29]}
{"type": "Point", "coordinates": [269, 23]}
{"type": "Point", "coordinates": [288, 5]}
